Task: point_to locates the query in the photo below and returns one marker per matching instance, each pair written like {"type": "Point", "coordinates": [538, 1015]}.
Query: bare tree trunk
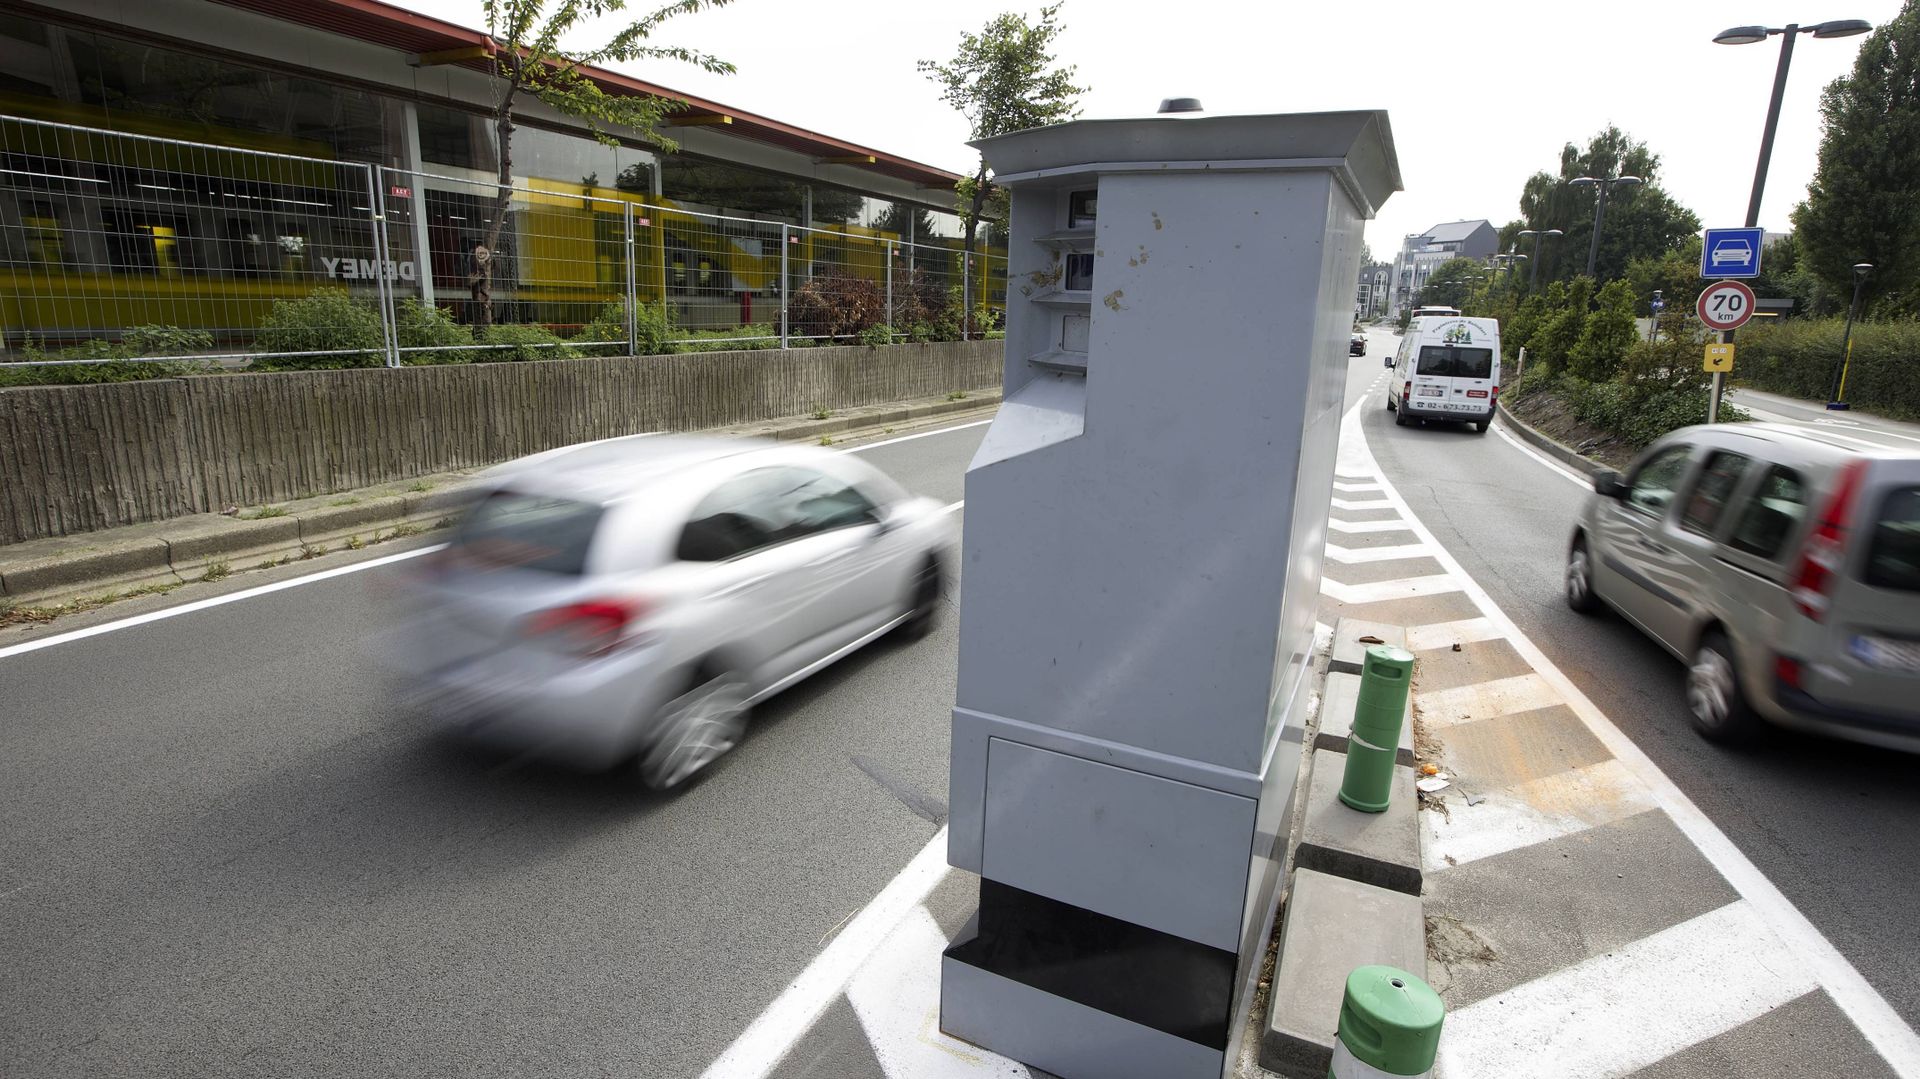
{"type": "Point", "coordinates": [481, 266]}
{"type": "Point", "coordinates": [972, 224]}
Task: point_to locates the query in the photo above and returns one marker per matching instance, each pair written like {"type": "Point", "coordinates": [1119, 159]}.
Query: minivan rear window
{"type": "Point", "coordinates": [1453, 361]}
{"type": "Point", "coordinates": [525, 531]}
{"type": "Point", "coordinates": [1893, 558]}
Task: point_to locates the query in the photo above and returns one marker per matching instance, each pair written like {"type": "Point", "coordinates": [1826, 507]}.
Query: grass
{"type": "Point", "coordinates": [957, 395]}
{"type": "Point", "coordinates": [216, 571]}
{"type": "Point", "coordinates": [822, 413]}
{"type": "Point", "coordinates": [344, 502]}
{"type": "Point", "coordinates": [886, 430]}
{"type": "Point", "coordinates": [312, 550]}
{"type": "Point", "coordinates": [826, 440]}
{"type": "Point", "coordinates": [14, 614]}
{"type": "Point", "coordinates": [420, 487]}
{"type": "Point", "coordinates": [355, 543]}
{"type": "Point", "coordinates": [264, 512]}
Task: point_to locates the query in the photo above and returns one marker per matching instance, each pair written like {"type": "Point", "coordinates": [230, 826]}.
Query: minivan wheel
{"type": "Point", "coordinates": [1720, 711]}
{"type": "Point", "coordinates": [1400, 418]}
{"type": "Point", "coordinates": [1580, 595]}
{"type": "Point", "coordinates": [1391, 407]}
{"type": "Point", "coordinates": [697, 728]}
{"type": "Point", "coordinates": [1480, 426]}
{"type": "Point", "coordinates": [923, 612]}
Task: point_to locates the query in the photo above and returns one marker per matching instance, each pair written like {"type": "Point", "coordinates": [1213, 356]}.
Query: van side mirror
{"type": "Point", "coordinates": [1608, 484]}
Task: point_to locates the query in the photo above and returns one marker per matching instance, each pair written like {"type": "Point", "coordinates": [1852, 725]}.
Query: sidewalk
{"type": "Point", "coordinates": [1863, 426]}
{"type": "Point", "coordinates": [41, 579]}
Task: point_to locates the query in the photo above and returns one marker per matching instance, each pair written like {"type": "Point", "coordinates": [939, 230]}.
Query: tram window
{"type": "Point", "coordinates": [45, 236]}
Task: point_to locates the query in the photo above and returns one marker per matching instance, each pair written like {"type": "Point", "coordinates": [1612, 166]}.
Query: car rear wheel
{"type": "Point", "coordinates": [697, 728]}
{"type": "Point", "coordinates": [1480, 426]}
{"type": "Point", "coordinates": [923, 610]}
{"type": "Point", "coordinates": [1391, 407]}
{"type": "Point", "coordinates": [1580, 594]}
{"type": "Point", "coordinates": [1719, 709]}
{"type": "Point", "coordinates": [1400, 417]}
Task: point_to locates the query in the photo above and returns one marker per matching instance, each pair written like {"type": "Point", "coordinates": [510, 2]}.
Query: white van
{"type": "Point", "coordinates": [1448, 368]}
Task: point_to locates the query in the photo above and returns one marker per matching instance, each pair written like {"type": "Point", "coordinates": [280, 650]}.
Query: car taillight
{"type": "Point", "coordinates": [1496, 393]}
{"type": "Point", "coordinates": [1406, 391]}
{"type": "Point", "coordinates": [591, 628]}
{"type": "Point", "coordinates": [1786, 671]}
{"type": "Point", "coordinates": [1825, 548]}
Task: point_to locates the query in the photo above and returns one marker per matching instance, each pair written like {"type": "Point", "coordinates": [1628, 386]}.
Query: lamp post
{"type": "Point", "coordinates": [1753, 35]}
{"type": "Point", "coordinates": [1837, 402]}
{"type": "Point", "coordinates": [1656, 306]}
{"type": "Point", "coordinates": [1601, 185]}
{"type": "Point", "coordinates": [1533, 272]}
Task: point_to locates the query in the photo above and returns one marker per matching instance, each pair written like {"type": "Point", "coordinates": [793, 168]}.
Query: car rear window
{"type": "Point", "coordinates": [1453, 361]}
{"type": "Point", "coordinates": [1771, 516]}
{"type": "Point", "coordinates": [525, 531]}
{"type": "Point", "coordinates": [1893, 558]}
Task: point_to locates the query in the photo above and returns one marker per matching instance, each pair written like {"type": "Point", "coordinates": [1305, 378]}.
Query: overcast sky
{"type": "Point", "coordinates": [1480, 94]}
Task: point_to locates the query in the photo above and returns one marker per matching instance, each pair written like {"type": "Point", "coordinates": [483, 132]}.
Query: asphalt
{"type": "Point", "coordinates": [1829, 822]}
{"type": "Point", "coordinates": [225, 851]}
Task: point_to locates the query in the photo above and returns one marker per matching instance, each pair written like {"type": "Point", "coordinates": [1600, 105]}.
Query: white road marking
{"type": "Point", "coordinates": [1615, 1014]}
{"type": "Point", "coordinates": [1355, 487]}
{"type": "Point", "coordinates": [340, 571]}
{"type": "Point", "coordinates": [1355, 527]}
{"type": "Point", "coordinates": [1532, 812]}
{"type": "Point", "coordinates": [1485, 700]}
{"type": "Point", "coordinates": [1559, 469]}
{"type": "Point", "coordinates": [760, 1048]}
{"type": "Point", "coordinates": [1378, 591]}
{"type": "Point", "coordinates": [897, 998]}
{"type": "Point", "coordinates": [1890, 1035]}
{"type": "Point", "coordinates": [215, 601]}
{"type": "Point", "coordinates": [1355, 555]}
{"type": "Point", "coordinates": [1443, 634]}
{"type": "Point", "coordinates": [1358, 504]}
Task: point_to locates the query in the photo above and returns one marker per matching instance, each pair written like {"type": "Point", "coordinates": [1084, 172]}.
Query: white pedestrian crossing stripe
{"type": "Point", "coordinates": [1356, 555]}
{"type": "Point", "coordinates": [1485, 700]}
{"type": "Point", "coordinates": [1379, 591]}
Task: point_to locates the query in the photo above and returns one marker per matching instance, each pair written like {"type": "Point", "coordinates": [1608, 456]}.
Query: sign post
{"type": "Point", "coordinates": [1725, 306]}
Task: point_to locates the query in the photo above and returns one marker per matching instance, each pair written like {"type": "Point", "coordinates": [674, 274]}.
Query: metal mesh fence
{"type": "Point", "coordinates": [116, 246]}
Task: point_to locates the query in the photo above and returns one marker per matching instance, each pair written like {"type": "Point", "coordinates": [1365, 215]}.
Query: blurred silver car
{"type": "Point", "coordinates": [1782, 565]}
{"type": "Point", "coordinates": [632, 600]}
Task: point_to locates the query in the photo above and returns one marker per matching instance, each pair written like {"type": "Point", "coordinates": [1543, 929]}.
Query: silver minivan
{"type": "Point", "coordinates": [1782, 565]}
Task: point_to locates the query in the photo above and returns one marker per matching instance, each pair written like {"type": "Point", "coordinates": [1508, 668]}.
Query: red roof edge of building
{"type": "Point", "coordinates": [380, 23]}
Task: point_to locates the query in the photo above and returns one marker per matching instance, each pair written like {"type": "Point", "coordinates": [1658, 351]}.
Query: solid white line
{"type": "Point", "coordinates": [216, 601]}
{"type": "Point", "coordinates": [897, 1000]}
{"type": "Point", "coordinates": [1615, 1014]}
{"type": "Point", "coordinates": [769, 1038]}
{"type": "Point", "coordinates": [917, 434]}
{"type": "Point", "coordinates": [1559, 469]}
{"type": "Point", "coordinates": [1878, 1022]}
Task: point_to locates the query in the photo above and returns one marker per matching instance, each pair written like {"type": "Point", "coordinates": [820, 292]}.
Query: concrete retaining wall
{"type": "Point", "coordinates": [79, 458]}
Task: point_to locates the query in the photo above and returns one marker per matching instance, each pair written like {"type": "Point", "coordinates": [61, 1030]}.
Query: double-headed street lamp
{"type": "Point", "coordinates": [1837, 402]}
{"type": "Point", "coordinates": [1753, 35]}
{"type": "Point", "coordinates": [1601, 186]}
{"type": "Point", "coordinates": [1533, 271]}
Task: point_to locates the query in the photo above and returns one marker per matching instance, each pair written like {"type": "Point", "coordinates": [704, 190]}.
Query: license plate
{"type": "Point", "coordinates": [1432, 391]}
{"type": "Point", "coordinates": [1887, 653]}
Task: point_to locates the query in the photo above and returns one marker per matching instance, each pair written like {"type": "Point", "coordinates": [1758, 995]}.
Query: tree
{"type": "Point", "coordinates": [528, 61]}
{"type": "Point", "coordinates": [1452, 283]}
{"type": "Point", "coordinates": [1864, 202]}
{"type": "Point", "coordinates": [1642, 222]}
{"type": "Point", "coordinates": [899, 217]}
{"type": "Point", "coordinates": [1607, 334]}
{"type": "Point", "coordinates": [1003, 79]}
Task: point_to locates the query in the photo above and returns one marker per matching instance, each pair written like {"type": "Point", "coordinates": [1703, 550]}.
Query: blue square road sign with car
{"type": "Point", "coordinates": [1732, 253]}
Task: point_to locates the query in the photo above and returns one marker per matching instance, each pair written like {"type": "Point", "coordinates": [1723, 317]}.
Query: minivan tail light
{"type": "Point", "coordinates": [1825, 549]}
{"type": "Point", "coordinates": [1406, 391]}
{"type": "Point", "coordinates": [589, 628]}
{"type": "Point", "coordinates": [1786, 671]}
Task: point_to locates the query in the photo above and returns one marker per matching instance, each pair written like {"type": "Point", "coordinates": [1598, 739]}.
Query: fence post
{"type": "Point", "coordinates": [784, 241]}
{"type": "Point", "coordinates": [890, 326]}
{"type": "Point", "coordinates": [633, 291]}
{"type": "Point", "coordinates": [966, 296]}
{"type": "Point", "coordinates": [382, 287]}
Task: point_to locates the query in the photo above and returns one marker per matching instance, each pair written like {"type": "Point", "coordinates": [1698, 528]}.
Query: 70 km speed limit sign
{"type": "Point", "coordinates": [1725, 305]}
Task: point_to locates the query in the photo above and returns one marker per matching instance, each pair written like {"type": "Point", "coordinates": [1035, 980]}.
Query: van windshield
{"type": "Point", "coordinates": [1452, 361]}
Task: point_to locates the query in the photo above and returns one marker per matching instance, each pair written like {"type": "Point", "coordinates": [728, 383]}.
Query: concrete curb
{"type": "Point", "coordinates": [1354, 885]}
{"type": "Point", "coordinates": [1586, 466]}
{"type": "Point", "coordinates": [172, 552]}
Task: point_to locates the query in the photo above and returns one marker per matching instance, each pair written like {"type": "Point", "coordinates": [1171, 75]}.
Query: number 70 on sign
{"type": "Point", "coordinates": [1725, 305]}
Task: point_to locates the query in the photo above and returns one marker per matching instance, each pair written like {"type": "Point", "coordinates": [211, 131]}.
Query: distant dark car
{"type": "Point", "coordinates": [1358, 346]}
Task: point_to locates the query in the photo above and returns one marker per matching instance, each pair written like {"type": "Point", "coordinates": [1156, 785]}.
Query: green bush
{"type": "Point", "coordinates": [732, 339]}
{"type": "Point", "coordinates": [433, 331]}
{"type": "Point", "coordinates": [140, 341]}
{"type": "Point", "coordinates": [653, 329]}
{"type": "Point", "coordinates": [1797, 358]}
{"type": "Point", "coordinates": [876, 335]}
{"type": "Point", "coordinates": [165, 341]}
{"type": "Point", "coordinates": [526, 341]}
{"type": "Point", "coordinates": [835, 305]}
{"type": "Point", "coordinates": [342, 331]}
{"type": "Point", "coordinates": [1659, 387]}
{"type": "Point", "coordinates": [1605, 336]}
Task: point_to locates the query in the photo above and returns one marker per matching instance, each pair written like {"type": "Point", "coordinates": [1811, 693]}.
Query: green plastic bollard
{"type": "Point", "coordinates": [1389, 1026]}
{"type": "Point", "coordinates": [1371, 749]}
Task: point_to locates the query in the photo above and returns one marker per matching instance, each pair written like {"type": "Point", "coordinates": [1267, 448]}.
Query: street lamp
{"type": "Point", "coordinates": [1753, 35]}
{"type": "Point", "coordinates": [1533, 271]}
{"type": "Point", "coordinates": [1860, 272]}
{"type": "Point", "coordinates": [1601, 186]}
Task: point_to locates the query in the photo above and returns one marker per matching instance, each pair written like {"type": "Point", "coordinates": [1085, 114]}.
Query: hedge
{"type": "Point", "coordinates": [1796, 358]}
